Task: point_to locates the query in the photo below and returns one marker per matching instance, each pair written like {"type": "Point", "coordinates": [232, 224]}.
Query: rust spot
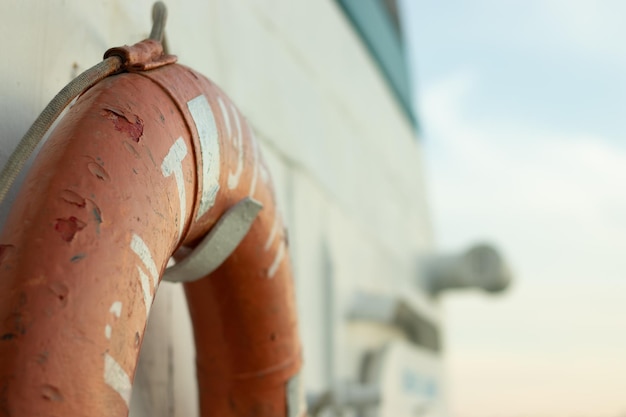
{"type": "Point", "coordinates": [133, 128]}
{"type": "Point", "coordinates": [5, 251]}
{"type": "Point", "coordinates": [60, 291]}
{"type": "Point", "coordinates": [51, 393]}
{"type": "Point", "coordinates": [8, 336]}
{"type": "Point", "coordinates": [77, 257]}
{"type": "Point", "coordinates": [71, 197]}
{"type": "Point", "coordinates": [69, 227]}
{"type": "Point", "coordinates": [98, 171]}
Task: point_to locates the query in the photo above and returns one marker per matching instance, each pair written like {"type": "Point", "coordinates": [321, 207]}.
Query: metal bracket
{"type": "Point", "coordinates": [398, 312]}
{"type": "Point", "coordinates": [218, 244]}
{"type": "Point", "coordinates": [345, 395]}
{"type": "Point", "coordinates": [481, 266]}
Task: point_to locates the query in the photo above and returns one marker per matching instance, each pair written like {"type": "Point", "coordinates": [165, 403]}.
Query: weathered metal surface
{"type": "Point", "coordinates": [113, 193]}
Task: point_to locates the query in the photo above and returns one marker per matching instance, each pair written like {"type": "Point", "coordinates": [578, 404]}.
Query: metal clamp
{"type": "Point", "coordinates": [218, 244]}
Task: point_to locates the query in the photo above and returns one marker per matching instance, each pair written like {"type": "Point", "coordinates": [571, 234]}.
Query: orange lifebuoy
{"type": "Point", "coordinates": [142, 164]}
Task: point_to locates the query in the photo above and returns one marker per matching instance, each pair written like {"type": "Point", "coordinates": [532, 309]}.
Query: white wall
{"type": "Point", "coordinates": [345, 160]}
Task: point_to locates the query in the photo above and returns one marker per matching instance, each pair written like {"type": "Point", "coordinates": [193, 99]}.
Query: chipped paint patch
{"type": "Point", "coordinates": [68, 227]}
{"type": "Point", "coordinates": [131, 149]}
{"type": "Point", "coordinates": [107, 331]}
{"type": "Point", "coordinates": [77, 257]}
{"type": "Point", "coordinates": [60, 291]}
{"type": "Point", "coordinates": [117, 378]}
{"type": "Point", "coordinates": [98, 171]}
{"type": "Point", "coordinates": [134, 129]}
{"type": "Point", "coordinates": [73, 198]}
{"type": "Point", "coordinates": [97, 214]}
{"type": "Point", "coordinates": [51, 393]}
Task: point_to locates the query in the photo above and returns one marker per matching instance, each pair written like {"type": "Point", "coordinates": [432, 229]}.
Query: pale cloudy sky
{"type": "Point", "coordinates": [522, 105]}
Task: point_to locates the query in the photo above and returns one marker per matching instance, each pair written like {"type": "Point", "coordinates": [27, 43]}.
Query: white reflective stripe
{"type": "Point", "coordinates": [226, 116]}
{"type": "Point", "coordinates": [116, 308]}
{"type": "Point", "coordinates": [265, 176]}
{"type": "Point", "coordinates": [173, 164]}
{"type": "Point", "coordinates": [117, 378]}
{"type": "Point", "coordinates": [145, 288]}
{"type": "Point", "coordinates": [255, 173]}
{"type": "Point", "coordinates": [277, 259]}
{"type": "Point", "coordinates": [233, 179]}
{"type": "Point", "coordinates": [210, 151]}
{"type": "Point", "coordinates": [273, 231]}
{"type": "Point", "coordinates": [141, 249]}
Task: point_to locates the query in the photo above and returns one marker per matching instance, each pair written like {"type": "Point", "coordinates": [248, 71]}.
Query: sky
{"type": "Point", "coordinates": [521, 105]}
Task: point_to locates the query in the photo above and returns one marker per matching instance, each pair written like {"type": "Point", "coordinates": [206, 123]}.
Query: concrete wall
{"type": "Point", "coordinates": [345, 160]}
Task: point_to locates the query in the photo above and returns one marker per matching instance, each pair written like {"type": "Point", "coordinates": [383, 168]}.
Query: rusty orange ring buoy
{"type": "Point", "coordinates": [142, 164]}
